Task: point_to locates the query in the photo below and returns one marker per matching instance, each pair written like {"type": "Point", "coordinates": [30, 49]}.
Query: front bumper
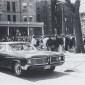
{"type": "Point", "coordinates": [26, 67]}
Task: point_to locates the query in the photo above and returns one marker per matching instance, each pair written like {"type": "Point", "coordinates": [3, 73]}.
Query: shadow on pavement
{"type": "Point", "coordinates": [35, 76]}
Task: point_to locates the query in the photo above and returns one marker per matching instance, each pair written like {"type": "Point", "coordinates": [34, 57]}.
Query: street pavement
{"type": "Point", "coordinates": [72, 72]}
{"type": "Point", "coordinates": [73, 63]}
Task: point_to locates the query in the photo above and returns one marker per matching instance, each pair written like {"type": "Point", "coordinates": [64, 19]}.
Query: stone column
{"type": "Point", "coordinates": [8, 29]}
{"type": "Point", "coordinates": [42, 31]}
{"type": "Point", "coordinates": [28, 31]}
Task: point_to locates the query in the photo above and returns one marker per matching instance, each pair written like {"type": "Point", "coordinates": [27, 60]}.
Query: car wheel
{"type": "Point", "coordinates": [17, 69]}
{"type": "Point", "coordinates": [51, 69]}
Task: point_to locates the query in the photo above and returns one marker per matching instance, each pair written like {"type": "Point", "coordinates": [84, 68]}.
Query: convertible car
{"type": "Point", "coordinates": [22, 56]}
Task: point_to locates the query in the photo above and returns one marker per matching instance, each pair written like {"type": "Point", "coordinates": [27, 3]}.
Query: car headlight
{"type": "Point", "coordinates": [29, 61]}
{"type": "Point", "coordinates": [59, 58]}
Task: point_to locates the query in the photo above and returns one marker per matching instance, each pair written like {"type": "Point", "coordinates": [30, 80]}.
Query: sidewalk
{"type": "Point", "coordinates": [73, 63]}
{"type": "Point", "coordinates": [74, 56]}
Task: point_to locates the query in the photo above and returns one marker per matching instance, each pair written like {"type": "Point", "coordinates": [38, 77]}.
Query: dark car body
{"type": "Point", "coordinates": [28, 56]}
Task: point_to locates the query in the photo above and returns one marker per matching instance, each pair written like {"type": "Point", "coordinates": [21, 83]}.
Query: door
{"type": "Point", "coordinates": [2, 54]}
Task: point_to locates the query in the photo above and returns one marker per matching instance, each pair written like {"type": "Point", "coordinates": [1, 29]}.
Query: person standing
{"type": "Point", "coordinates": [56, 43]}
{"type": "Point", "coordinates": [37, 42]}
{"type": "Point", "coordinates": [61, 42]}
{"type": "Point", "coordinates": [49, 44]}
{"type": "Point", "coordinates": [33, 41]}
{"type": "Point", "coordinates": [67, 43]}
{"type": "Point", "coordinates": [44, 43]}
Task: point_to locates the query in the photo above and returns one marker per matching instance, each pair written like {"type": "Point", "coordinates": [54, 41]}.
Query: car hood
{"type": "Point", "coordinates": [33, 53]}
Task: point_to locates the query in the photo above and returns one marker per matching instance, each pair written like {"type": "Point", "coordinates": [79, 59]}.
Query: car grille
{"type": "Point", "coordinates": [39, 61]}
{"type": "Point", "coordinates": [54, 59]}
{"type": "Point", "coordinates": [62, 58]}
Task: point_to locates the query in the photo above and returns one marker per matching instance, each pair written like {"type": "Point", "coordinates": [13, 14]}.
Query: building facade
{"type": "Point", "coordinates": [15, 13]}
{"type": "Point", "coordinates": [10, 10]}
{"type": "Point", "coordinates": [28, 10]}
{"type": "Point", "coordinates": [57, 16]}
{"type": "Point", "coordinates": [43, 13]}
{"type": "Point", "coordinates": [62, 18]}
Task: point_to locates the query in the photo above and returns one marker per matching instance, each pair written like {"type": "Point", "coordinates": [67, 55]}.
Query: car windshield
{"type": "Point", "coordinates": [21, 47]}
{"type": "Point", "coordinates": [2, 47]}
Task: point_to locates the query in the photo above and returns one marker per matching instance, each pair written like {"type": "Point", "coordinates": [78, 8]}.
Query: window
{"type": "Point", "coordinates": [0, 5]}
{"type": "Point", "coordinates": [14, 18]}
{"type": "Point", "coordinates": [8, 17]}
{"type": "Point", "coordinates": [65, 19]}
{"type": "Point", "coordinates": [30, 18]}
{"type": "Point", "coordinates": [0, 16]}
{"type": "Point", "coordinates": [21, 47]}
{"type": "Point", "coordinates": [13, 6]}
{"type": "Point", "coordinates": [25, 18]}
{"type": "Point", "coordinates": [56, 19]}
{"type": "Point", "coordinates": [30, 5]}
{"type": "Point", "coordinates": [38, 17]}
{"type": "Point", "coordinates": [8, 6]}
{"type": "Point", "coordinates": [58, 9]}
{"type": "Point", "coordinates": [24, 6]}
{"type": "Point", "coordinates": [31, 0]}
{"type": "Point", "coordinates": [38, 10]}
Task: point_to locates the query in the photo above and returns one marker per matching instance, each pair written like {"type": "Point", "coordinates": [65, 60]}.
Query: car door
{"type": "Point", "coordinates": [8, 59]}
{"type": "Point", "coordinates": [2, 54]}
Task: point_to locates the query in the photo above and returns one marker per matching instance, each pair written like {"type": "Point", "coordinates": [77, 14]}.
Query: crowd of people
{"type": "Point", "coordinates": [54, 43]}
{"type": "Point", "coordinates": [50, 43]}
{"type": "Point", "coordinates": [14, 38]}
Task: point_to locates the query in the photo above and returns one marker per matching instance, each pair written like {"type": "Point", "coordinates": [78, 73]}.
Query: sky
{"type": "Point", "coordinates": [82, 5]}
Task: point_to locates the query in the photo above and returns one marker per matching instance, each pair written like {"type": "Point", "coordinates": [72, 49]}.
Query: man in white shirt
{"type": "Point", "coordinates": [44, 43]}
{"type": "Point", "coordinates": [33, 41]}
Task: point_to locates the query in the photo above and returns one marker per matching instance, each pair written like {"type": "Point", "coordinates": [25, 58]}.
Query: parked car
{"type": "Point", "coordinates": [22, 56]}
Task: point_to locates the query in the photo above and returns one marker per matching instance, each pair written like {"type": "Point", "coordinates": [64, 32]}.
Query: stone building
{"type": "Point", "coordinates": [19, 15]}
{"type": "Point", "coordinates": [10, 10]}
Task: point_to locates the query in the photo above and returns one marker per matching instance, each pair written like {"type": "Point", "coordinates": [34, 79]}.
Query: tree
{"type": "Point", "coordinates": [77, 25]}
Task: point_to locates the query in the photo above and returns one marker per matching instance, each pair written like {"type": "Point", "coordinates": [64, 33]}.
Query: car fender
{"type": "Point", "coordinates": [14, 61]}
